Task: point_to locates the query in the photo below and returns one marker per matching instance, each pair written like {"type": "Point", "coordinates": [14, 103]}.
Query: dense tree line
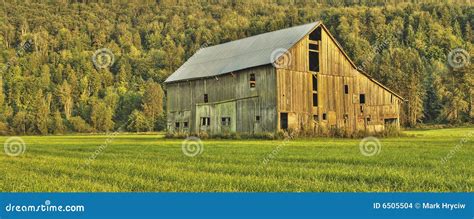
{"type": "Point", "coordinates": [49, 83]}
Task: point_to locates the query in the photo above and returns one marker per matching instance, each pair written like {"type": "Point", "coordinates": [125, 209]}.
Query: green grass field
{"type": "Point", "coordinates": [152, 163]}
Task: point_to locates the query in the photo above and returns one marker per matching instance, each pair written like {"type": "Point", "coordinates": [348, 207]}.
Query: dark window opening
{"type": "Point", "coordinates": [185, 124]}
{"type": "Point", "coordinates": [176, 124]}
{"type": "Point", "coordinates": [315, 83]}
{"type": "Point", "coordinates": [313, 46]}
{"type": "Point", "coordinates": [316, 34]}
{"type": "Point", "coordinates": [225, 121]}
{"type": "Point", "coordinates": [252, 77]}
{"type": "Point", "coordinates": [206, 98]}
{"type": "Point", "coordinates": [390, 121]}
{"type": "Point", "coordinates": [391, 98]}
{"type": "Point", "coordinates": [315, 118]}
{"type": "Point", "coordinates": [361, 109]}
{"type": "Point", "coordinates": [362, 98]}
{"type": "Point", "coordinates": [314, 61]}
{"type": "Point", "coordinates": [205, 121]}
{"type": "Point", "coordinates": [315, 99]}
{"type": "Point", "coordinates": [257, 118]}
{"type": "Point", "coordinates": [284, 121]}
{"type": "Point", "coordinates": [346, 89]}
{"type": "Point", "coordinates": [368, 119]}
{"type": "Point", "coordinates": [252, 80]}
{"type": "Point", "coordinates": [324, 116]}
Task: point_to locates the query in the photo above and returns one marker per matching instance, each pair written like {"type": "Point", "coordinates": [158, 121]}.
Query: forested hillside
{"type": "Point", "coordinates": [50, 84]}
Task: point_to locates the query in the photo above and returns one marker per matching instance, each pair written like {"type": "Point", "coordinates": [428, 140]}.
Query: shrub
{"type": "Point", "coordinates": [79, 125]}
{"type": "Point", "coordinates": [4, 129]}
{"type": "Point", "coordinates": [172, 134]}
{"type": "Point", "coordinates": [264, 135]}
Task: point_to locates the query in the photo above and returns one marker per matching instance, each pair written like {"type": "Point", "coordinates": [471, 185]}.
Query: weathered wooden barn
{"type": "Point", "coordinates": [295, 78]}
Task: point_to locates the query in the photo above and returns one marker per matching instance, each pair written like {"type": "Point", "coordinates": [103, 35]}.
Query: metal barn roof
{"type": "Point", "coordinates": [239, 54]}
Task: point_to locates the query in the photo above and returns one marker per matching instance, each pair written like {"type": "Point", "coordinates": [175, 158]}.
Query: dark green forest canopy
{"type": "Point", "coordinates": [49, 83]}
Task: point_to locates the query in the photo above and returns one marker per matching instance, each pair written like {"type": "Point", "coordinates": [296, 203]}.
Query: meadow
{"type": "Point", "coordinates": [145, 162]}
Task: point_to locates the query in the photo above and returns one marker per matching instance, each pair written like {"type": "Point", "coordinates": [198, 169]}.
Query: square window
{"type": "Point", "coordinates": [252, 77]}
{"type": "Point", "coordinates": [205, 121]}
{"type": "Point", "coordinates": [315, 118]}
{"type": "Point", "coordinates": [324, 116]}
{"type": "Point", "coordinates": [225, 121]}
{"type": "Point", "coordinates": [313, 46]}
{"type": "Point", "coordinates": [257, 118]}
{"type": "Point", "coordinates": [176, 124]}
{"type": "Point", "coordinates": [185, 124]}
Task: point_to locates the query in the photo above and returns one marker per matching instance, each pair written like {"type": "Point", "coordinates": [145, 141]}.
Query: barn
{"type": "Point", "coordinates": [296, 78]}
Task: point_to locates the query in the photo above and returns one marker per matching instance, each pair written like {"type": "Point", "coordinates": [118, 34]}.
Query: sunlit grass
{"type": "Point", "coordinates": [151, 163]}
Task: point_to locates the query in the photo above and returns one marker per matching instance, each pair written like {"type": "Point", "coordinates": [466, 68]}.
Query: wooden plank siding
{"type": "Point", "coordinates": [287, 88]}
{"type": "Point", "coordinates": [341, 110]}
{"type": "Point", "coordinates": [185, 101]}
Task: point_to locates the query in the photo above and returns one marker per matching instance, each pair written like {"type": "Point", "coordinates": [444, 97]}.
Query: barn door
{"type": "Point", "coordinates": [203, 117]}
{"type": "Point", "coordinates": [284, 121]}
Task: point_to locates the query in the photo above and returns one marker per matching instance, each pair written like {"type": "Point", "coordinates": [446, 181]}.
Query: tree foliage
{"type": "Point", "coordinates": [49, 83]}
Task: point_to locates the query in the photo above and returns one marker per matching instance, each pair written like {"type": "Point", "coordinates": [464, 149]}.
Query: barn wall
{"type": "Point", "coordinates": [229, 95]}
{"type": "Point", "coordinates": [285, 89]}
{"type": "Point", "coordinates": [335, 109]}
